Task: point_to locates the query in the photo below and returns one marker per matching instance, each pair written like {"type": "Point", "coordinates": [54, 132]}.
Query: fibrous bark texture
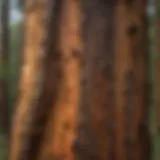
{"type": "Point", "coordinates": [112, 117]}
{"type": "Point", "coordinates": [62, 121]}
{"type": "Point", "coordinates": [112, 120]}
{"type": "Point", "coordinates": [131, 55]}
{"type": "Point", "coordinates": [39, 80]}
{"type": "Point", "coordinates": [95, 137]}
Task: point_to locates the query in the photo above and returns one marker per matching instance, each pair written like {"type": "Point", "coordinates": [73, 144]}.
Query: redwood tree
{"type": "Point", "coordinates": [44, 118]}
{"type": "Point", "coordinates": [112, 117]}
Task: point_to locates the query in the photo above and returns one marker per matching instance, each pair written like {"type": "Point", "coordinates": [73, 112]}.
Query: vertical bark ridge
{"type": "Point", "coordinates": [130, 64]}
{"type": "Point", "coordinates": [38, 83]}
{"type": "Point", "coordinates": [95, 135]}
{"type": "Point", "coordinates": [60, 129]}
{"type": "Point", "coordinates": [123, 87]}
{"type": "Point", "coordinates": [140, 133]}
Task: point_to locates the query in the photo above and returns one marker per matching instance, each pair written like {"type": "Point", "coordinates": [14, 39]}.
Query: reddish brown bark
{"type": "Point", "coordinates": [140, 133]}
{"type": "Point", "coordinates": [113, 113]}
{"type": "Point", "coordinates": [39, 78]}
{"type": "Point", "coordinates": [61, 124]}
{"type": "Point", "coordinates": [95, 137]}
{"type": "Point", "coordinates": [133, 142]}
{"type": "Point", "coordinates": [123, 73]}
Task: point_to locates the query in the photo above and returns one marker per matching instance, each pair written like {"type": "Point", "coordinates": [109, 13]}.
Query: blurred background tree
{"type": "Point", "coordinates": [10, 21]}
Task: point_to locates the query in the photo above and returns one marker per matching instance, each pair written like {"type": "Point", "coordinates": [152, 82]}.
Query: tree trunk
{"type": "Point", "coordinates": [113, 114]}
{"type": "Point", "coordinates": [39, 81]}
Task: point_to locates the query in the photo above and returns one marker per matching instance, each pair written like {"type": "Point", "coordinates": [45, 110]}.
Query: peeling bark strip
{"type": "Point", "coordinates": [39, 78]}
{"type": "Point", "coordinates": [60, 129]}
{"type": "Point", "coordinates": [95, 127]}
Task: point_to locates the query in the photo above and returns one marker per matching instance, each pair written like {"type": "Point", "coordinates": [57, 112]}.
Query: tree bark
{"type": "Point", "coordinates": [113, 113]}
{"type": "Point", "coordinates": [61, 124]}
{"type": "Point", "coordinates": [39, 81]}
{"type": "Point", "coordinates": [95, 135]}
{"type": "Point", "coordinates": [123, 82]}
{"type": "Point", "coordinates": [140, 123]}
